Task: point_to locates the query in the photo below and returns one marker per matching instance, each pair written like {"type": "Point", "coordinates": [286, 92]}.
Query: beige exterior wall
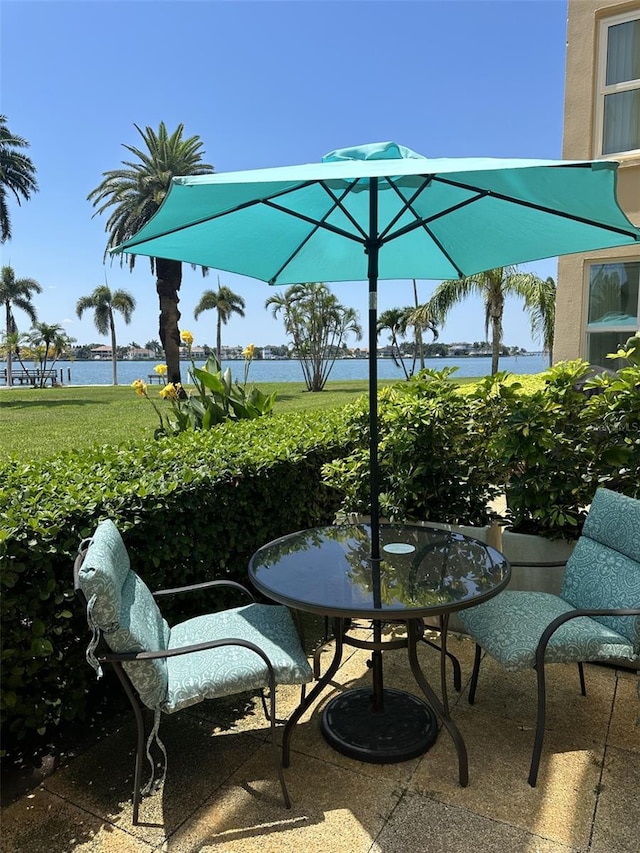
{"type": "Point", "coordinates": [579, 143]}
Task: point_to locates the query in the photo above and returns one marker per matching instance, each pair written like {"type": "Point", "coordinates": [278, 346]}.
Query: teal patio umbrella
{"type": "Point", "coordinates": [381, 211]}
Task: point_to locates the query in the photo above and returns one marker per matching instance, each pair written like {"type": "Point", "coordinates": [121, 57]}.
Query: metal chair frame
{"type": "Point", "coordinates": [540, 670]}
{"type": "Point", "coordinates": [116, 659]}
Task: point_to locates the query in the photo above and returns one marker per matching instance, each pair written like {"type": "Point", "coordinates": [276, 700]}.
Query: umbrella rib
{"type": "Point", "coordinates": [339, 204]}
{"type": "Point", "coordinates": [407, 203]}
{"type": "Point", "coordinates": [252, 203]}
{"type": "Point", "coordinates": [317, 225]}
{"type": "Point", "coordinates": [542, 208]}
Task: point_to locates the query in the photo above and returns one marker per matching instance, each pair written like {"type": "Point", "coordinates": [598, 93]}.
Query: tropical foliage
{"type": "Point", "coordinates": [216, 397]}
{"type": "Point", "coordinates": [398, 321]}
{"type": "Point", "coordinates": [15, 293]}
{"type": "Point", "coordinates": [17, 175]}
{"type": "Point", "coordinates": [49, 342]}
{"type": "Point", "coordinates": [318, 325]}
{"type": "Point", "coordinates": [493, 286]}
{"type": "Point", "coordinates": [226, 303]}
{"type": "Point", "coordinates": [132, 195]}
{"type": "Point", "coordinates": [104, 302]}
{"type": "Point", "coordinates": [540, 302]}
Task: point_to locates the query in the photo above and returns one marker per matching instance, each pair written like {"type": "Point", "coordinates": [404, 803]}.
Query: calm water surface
{"type": "Point", "coordinates": [101, 372]}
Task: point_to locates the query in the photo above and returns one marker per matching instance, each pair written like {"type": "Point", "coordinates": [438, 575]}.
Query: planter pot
{"type": "Point", "coordinates": [528, 552]}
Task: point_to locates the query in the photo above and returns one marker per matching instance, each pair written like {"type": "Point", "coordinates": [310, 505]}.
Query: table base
{"type": "Point", "coordinates": [404, 729]}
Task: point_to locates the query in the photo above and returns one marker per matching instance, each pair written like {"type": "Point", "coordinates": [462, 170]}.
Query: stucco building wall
{"type": "Point", "coordinates": [580, 143]}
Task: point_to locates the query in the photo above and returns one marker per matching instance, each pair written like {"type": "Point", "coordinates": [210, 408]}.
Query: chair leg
{"type": "Point", "coordinates": [137, 710]}
{"type": "Point", "coordinates": [274, 747]}
{"type": "Point", "coordinates": [540, 724]}
{"type": "Point", "coordinates": [474, 675]}
{"type": "Point", "coordinates": [583, 686]}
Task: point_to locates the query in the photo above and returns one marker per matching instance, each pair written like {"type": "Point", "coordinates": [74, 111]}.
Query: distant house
{"type": "Point", "coordinates": [197, 353]}
{"type": "Point", "coordinates": [101, 352]}
{"type": "Point", "coordinates": [134, 353]}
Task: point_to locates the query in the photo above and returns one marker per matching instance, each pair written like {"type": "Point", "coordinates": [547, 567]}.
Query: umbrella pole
{"type": "Point", "coordinates": [372, 249]}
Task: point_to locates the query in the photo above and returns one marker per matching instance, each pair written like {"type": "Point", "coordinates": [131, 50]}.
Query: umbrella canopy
{"type": "Point", "coordinates": [381, 211]}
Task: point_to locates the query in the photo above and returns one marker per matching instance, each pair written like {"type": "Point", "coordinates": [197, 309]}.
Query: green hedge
{"type": "Point", "coordinates": [190, 508]}
{"type": "Point", "coordinates": [197, 505]}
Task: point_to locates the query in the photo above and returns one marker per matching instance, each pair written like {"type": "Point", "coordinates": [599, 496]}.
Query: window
{"type": "Point", "coordinates": [613, 313]}
{"type": "Point", "coordinates": [618, 106]}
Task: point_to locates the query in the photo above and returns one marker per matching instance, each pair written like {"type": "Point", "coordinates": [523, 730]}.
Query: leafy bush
{"type": "Point", "coordinates": [432, 459]}
{"type": "Point", "coordinates": [190, 507]}
{"type": "Point", "coordinates": [560, 443]}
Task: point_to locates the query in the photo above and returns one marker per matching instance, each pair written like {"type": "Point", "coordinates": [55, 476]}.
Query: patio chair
{"type": "Point", "coordinates": [595, 617]}
{"type": "Point", "coordinates": [169, 668]}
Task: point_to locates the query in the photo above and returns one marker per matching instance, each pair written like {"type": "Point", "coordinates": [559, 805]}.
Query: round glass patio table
{"type": "Point", "coordinates": [422, 572]}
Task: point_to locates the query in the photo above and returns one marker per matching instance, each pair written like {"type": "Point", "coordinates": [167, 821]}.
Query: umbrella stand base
{"type": "Point", "coordinates": [404, 729]}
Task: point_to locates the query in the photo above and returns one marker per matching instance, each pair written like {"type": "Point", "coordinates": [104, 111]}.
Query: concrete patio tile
{"type": "Point", "coordinates": [333, 809]}
{"type": "Point", "coordinates": [513, 696]}
{"type": "Point", "coordinates": [624, 730]}
{"type": "Point", "coordinates": [101, 782]}
{"type": "Point", "coordinates": [560, 808]}
{"type": "Point", "coordinates": [428, 826]}
{"type": "Point", "coordinates": [42, 821]}
{"type": "Point", "coordinates": [617, 821]}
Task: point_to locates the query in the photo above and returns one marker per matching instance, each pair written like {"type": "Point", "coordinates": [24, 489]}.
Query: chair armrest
{"type": "Point", "coordinates": [552, 627]}
{"type": "Point", "coordinates": [125, 657]}
{"type": "Point", "coordinates": [206, 585]}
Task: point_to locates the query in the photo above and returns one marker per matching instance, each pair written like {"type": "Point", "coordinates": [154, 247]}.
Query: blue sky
{"type": "Point", "coordinates": [265, 83]}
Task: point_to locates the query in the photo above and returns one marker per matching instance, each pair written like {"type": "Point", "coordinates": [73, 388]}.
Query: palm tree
{"type": "Point", "coordinates": [318, 324]}
{"type": "Point", "coordinates": [16, 293]}
{"type": "Point", "coordinates": [395, 321]}
{"type": "Point", "coordinates": [226, 303]}
{"type": "Point", "coordinates": [17, 175]}
{"type": "Point", "coordinates": [104, 303]}
{"type": "Point", "coordinates": [50, 340]}
{"type": "Point", "coordinates": [134, 193]}
{"type": "Point", "coordinates": [541, 305]}
{"type": "Point", "coordinates": [494, 286]}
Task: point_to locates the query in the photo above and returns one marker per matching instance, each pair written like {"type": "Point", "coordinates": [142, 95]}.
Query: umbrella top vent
{"type": "Point", "coordinates": [372, 151]}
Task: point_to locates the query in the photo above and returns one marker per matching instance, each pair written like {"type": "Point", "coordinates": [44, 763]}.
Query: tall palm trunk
{"type": "Point", "coordinates": [418, 330]}
{"type": "Point", "coordinates": [219, 337]}
{"type": "Point", "coordinates": [10, 329]}
{"type": "Point", "coordinates": [169, 279]}
{"type": "Point", "coordinates": [496, 333]}
{"type": "Point", "coordinates": [114, 354]}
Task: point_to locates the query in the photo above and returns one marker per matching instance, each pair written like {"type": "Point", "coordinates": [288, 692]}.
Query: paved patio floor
{"type": "Point", "coordinates": [221, 792]}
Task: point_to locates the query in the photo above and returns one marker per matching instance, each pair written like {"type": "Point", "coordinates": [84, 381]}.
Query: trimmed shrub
{"type": "Point", "coordinates": [190, 508]}
{"type": "Point", "coordinates": [433, 464]}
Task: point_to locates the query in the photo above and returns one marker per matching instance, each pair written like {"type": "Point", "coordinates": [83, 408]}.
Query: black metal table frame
{"type": "Point", "coordinates": [378, 724]}
{"type": "Point", "coordinates": [415, 630]}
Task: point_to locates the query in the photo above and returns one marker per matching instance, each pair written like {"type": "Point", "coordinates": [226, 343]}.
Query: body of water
{"type": "Point", "coordinates": [101, 372]}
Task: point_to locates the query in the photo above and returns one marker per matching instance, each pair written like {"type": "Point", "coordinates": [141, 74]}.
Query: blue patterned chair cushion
{"type": "Point", "coordinates": [604, 569]}
{"type": "Point", "coordinates": [125, 611]}
{"type": "Point", "coordinates": [599, 578]}
{"type": "Point", "coordinates": [231, 669]}
{"type": "Point", "coordinates": [614, 521]}
{"type": "Point", "coordinates": [510, 625]}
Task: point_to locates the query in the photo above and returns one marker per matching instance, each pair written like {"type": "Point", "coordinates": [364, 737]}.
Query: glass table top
{"type": "Point", "coordinates": [422, 571]}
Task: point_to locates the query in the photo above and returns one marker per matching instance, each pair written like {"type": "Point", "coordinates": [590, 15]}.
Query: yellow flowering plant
{"type": "Point", "coordinates": [214, 398]}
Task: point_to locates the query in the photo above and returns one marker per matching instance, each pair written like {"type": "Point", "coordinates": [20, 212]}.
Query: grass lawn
{"type": "Point", "coordinates": [36, 423]}
{"type": "Point", "coordinates": [40, 422]}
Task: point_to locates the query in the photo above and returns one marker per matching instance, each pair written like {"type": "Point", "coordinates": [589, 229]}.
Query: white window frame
{"type": "Point", "coordinates": [589, 329]}
{"type": "Point", "coordinates": [602, 89]}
